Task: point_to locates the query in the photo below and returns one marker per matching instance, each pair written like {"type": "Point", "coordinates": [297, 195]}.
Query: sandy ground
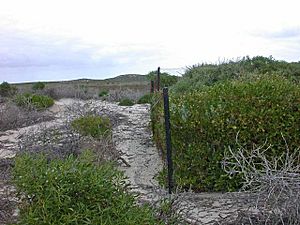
{"type": "Point", "coordinates": [141, 162]}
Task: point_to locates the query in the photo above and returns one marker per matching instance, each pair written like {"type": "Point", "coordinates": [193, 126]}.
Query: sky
{"type": "Point", "coordinates": [43, 40]}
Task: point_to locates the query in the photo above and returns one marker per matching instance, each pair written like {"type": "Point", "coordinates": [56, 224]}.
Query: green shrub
{"type": "Point", "coordinates": [205, 123]}
{"type": "Point", "coordinates": [145, 99]}
{"type": "Point", "coordinates": [198, 77]}
{"type": "Point", "coordinates": [95, 126]}
{"type": "Point", "coordinates": [38, 86]}
{"type": "Point", "coordinates": [166, 79]}
{"type": "Point", "coordinates": [34, 101]}
{"type": "Point", "coordinates": [75, 191]}
{"type": "Point", "coordinates": [103, 93]}
{"type": "Point", "coordinates": [7, 89]}
{"type": "Point", "coordinates": [126, 102]}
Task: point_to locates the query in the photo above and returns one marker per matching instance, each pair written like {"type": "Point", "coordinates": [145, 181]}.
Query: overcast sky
{"type": "Point", "coordinates": [67, 39]}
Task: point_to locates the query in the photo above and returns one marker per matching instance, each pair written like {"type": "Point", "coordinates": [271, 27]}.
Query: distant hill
{"type": "Point", "coordinates": [131, 81]}
{"type": "Point", "coordinates": [128, 78]}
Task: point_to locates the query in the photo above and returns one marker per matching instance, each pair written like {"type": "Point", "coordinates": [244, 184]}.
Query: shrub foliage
{"type": "Point", "coordinates": [34, 101]}
{"type": "Point", "coordinates": [75, 191]}
{"type": "Point", "coordinates": [200, 76]}
{"type": "Point", "coordinates": [205, 123]}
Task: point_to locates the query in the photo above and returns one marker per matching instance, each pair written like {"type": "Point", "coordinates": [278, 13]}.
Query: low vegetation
{"type": "Point", "coordinates": [259, 104]}
{"type": "Point", "coordinates": [92, 125]}
{"type": "Point", "coordinates": [75, 191]}
{"type": "Point", "coordinates": [126, 102]}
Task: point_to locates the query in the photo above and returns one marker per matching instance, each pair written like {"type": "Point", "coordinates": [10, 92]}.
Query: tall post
{"type": "Point", "coordinates": [152, 87]}
{"type": "Point", "coordinates": [158, 78]}
{"type": "Point", "coordinates": [168, 139]}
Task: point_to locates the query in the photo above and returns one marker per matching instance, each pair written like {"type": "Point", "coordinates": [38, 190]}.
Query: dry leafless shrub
{"type": "Point", "coordinates": [119, 94]}
{"type": "Point", "coordinates": [275, 181]}
{"type": "Point", "coordinates": [67, 92]}
{"type": "Point", "coordinates": [56, 141]}
{"type": "Point", "coordinates": [12, 116]}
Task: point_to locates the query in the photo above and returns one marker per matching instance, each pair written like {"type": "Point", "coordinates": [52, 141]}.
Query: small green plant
{"type": "Point", "coordinates": [34, 101]}
{"type": "Point", "coordinates": [95, 126]}
{"type": "Point", "coordinates": [7, 89]}
{"type": "Point", "coordinates": [145, 99]}
{"type": "Point", "coordinates": [126, 102]}
{"type": "Point", "coordinates": [103, 93]}
{"type": "Point", "coordinates": [75, 191]}
{"type": "Point", "coordinates": [38, 86]}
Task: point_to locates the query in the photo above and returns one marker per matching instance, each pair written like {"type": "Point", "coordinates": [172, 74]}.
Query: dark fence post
{"type": "Point", "coordinates": [168, 139]}
{"type": "Point", "coordinates": [158, 78]}
{"type": "Point", "coordinates": [152, 87]}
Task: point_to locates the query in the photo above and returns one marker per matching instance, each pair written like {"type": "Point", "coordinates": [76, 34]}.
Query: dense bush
{"type": "Point", "coordinates": [7, 89]}
{"type": "Point", "coordinates": [34, 101]}
{"type": "Point", "coordinates": [200, 76]}
{"type": "Point", "coordinates": [95, 126]}
{"type": "Point", "coordinates": [38, 86]}
{"type": "Point", "coordinates": [205, 123]}
{"type": "Point", "coordinates": [126, 102]}
{"type": "Point", "coordinates": [145, 99]}
{"type": "Point", "coordinates": [75, 191]}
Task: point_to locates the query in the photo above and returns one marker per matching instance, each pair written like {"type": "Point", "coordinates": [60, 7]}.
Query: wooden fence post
{"type": "Point", "coordinates": [158, 78]}
{"type": "Point", "coordinates": [168, 139]}
{"type": "Point", "coordinates": [152, 87]}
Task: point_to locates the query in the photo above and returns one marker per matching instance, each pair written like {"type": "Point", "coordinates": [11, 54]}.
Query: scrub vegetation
{"type": "Point", "coordinates": [216, 107]}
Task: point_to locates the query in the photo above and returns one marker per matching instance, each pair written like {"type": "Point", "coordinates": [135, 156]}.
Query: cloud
{"type": "Point", "coordinates": [283, 33]}
{"type": "Point", "coordinates": [25, 56]}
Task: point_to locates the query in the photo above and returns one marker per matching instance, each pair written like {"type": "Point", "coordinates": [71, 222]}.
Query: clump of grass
{"type": "Point", "coordinates": [126, 102]}
{"type": "Point", "coordinates": [75, 191]}
{"type": "Point", "coordinates": [91, 125]}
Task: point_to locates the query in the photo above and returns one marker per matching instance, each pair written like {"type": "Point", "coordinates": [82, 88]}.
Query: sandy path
{"type": "Point", "coordinates": [132, 137]}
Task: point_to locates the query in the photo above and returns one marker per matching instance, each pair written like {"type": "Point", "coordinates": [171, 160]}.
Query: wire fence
{"type": "Point", "coordinates": [158, 97]}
